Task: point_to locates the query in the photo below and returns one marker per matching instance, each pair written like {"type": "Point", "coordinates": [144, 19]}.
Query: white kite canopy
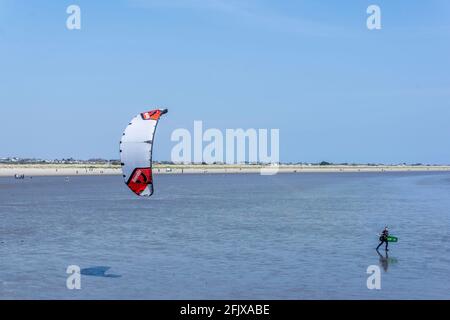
{"type": "Point", "coordinates": [136, 148]}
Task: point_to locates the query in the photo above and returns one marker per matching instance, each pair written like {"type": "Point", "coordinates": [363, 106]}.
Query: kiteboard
{"type": "Point", "coordinates": [392, 239]}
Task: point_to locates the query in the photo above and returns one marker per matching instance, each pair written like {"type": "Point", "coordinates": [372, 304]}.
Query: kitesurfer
{"type": "Point", "coordinates": [384, 238]}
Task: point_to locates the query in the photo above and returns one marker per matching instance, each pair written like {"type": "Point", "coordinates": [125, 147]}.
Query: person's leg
{"type": "Point", "coordinates": [380, 245]}
{"type": "Point", "coordinates": [387, 245]}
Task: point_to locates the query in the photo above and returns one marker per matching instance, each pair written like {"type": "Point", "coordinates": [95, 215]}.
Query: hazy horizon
{"type": "Point", "coordinates": [221, 163]}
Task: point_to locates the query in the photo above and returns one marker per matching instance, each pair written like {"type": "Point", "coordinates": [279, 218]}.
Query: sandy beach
{"type": "Point", "coordinates": [10, 170]}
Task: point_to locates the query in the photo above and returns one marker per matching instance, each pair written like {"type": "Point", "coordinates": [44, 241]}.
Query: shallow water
{"type": "Point", "coordinates": [289, 236]}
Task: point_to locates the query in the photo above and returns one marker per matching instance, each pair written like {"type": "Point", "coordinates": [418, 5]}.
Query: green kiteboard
{"type": "Point", "coordinates": [392, 239]}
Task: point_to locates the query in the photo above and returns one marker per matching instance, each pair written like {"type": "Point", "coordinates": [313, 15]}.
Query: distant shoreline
{"type": "Point", "coordinates": [35, 170]}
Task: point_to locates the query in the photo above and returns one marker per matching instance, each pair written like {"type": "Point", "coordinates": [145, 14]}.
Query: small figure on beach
{"type": "Point", "coordinates": [384, 238]}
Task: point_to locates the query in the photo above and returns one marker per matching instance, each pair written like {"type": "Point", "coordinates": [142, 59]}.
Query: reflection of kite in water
{"type": "Point", "coordinates": [136, 148]}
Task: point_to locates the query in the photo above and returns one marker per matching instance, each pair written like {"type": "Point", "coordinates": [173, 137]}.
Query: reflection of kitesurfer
{"type": "Point", "coordinates": [384, 238]}
{"type": "Point", "coordinates": [384, 261]}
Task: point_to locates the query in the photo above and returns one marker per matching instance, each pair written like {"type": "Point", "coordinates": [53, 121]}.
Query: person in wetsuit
{"type": "Point", "coordinates": [384, 238]}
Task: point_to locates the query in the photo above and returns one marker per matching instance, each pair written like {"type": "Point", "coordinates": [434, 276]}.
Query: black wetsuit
{"type": "Point", "coordinates": [383, 239]}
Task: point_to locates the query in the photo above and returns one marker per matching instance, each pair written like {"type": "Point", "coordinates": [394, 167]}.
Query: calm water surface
{"type": "Point", "coordinates": [289, 236]}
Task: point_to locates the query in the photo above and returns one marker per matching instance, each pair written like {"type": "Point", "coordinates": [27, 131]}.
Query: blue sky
{"type": "Point", "coordinates": [336, 90]}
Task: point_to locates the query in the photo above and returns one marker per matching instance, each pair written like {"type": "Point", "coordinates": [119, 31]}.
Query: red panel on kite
{"type": "Point", "coordinates": [152, 115]}
{"type": "Point", "coordinates": [140, 179]}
